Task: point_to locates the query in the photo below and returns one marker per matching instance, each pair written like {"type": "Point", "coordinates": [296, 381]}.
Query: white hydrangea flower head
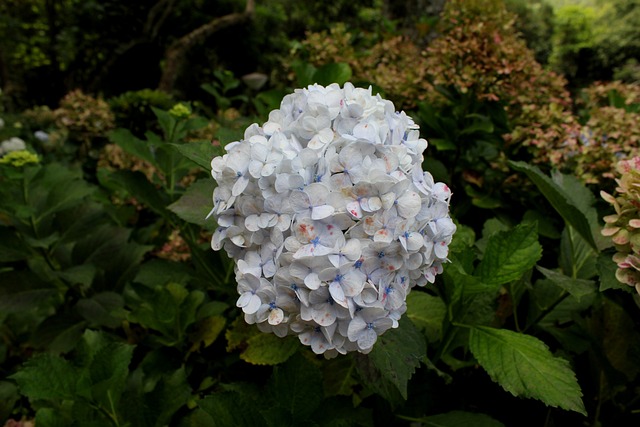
{"type": "Point", "coordinates": [12, 144]}
{"type": "Point", "coordinates": [330, 218]}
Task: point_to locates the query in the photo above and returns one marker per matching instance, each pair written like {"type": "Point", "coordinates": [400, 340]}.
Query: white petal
{"type": "Point", "coordinates": [367, 339]}
{"type": "Point", "coordinates": [321, 212]}
{"type": "Point", "coordinates": [276, 316]}
{"type": "Point", "coordinates": [338, 294]}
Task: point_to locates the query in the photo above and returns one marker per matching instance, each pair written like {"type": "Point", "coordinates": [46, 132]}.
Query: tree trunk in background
{"type": "Point", "coordinates": [176, 54]}
{"type": "Point", "coordinates": [156, 18]}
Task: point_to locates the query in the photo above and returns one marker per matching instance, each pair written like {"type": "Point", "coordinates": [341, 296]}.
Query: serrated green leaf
{"type": "Point", "coordinates": [64, 196]}
{"type": "Point", "coordinates": [338, 376]}
{"type": "Point", "coordinates": [371, 377]}
{"type": "Point", "coordinates": [199, 152]}
{"type": "Point", "coordinates": [583, 198]}
{"type": "Point", "coordinates": [47, 377]}
{"type": "Point", "coordinates": [78, 274]}
{"type": "Point", "coordinates": [558, 315]}
{"type": "Point", "coordinates": [607, 273]}
{"type": "Point", "coordinates": [577, 258]}
{"type": "Point", "coordinates": [169, 395]}
{"type": "Point", "coordinates": [23, 290]}
{"type": "Point", "coordinates": [108, 372]}
{"type": "Point", "coordinates": [559, 199]}
{"type": "Point", "coordinates": [50, 417]}
{"type": "Point", "coordinates": [509, 255]}
{"type": "Point", "coordinates": [231, 409]}
{"type": "Point", "coordinates": [12, 248]}
{"type": "Point", "coordinates": [296, 387]}
{"type": "Point", "coordinates": [524, 366]}
{"type": "Point", "coordinates": [158, 272]}
{"type": "Point", "coordinates": [103, 309]}
{"type": "Point", "coordinates": [460, 419]}
{"type": "Point", "coordinates": [207, 331]}
{"type": "Point", "coordinates": [166, 120]}
{"type": "Point", "coordinates": [132, 145]}
{"type": "Point", "coordinates": [137, 185]}
{"type": "Point", "coordinates": [268, 349]}
{"type": "Point", "coordinates": [59, 333]}
{"type": "Point", "coordinates": [398, 353]}
{"type": "Point", "coordinates": [196, 203]}
{"type": "Point", "coordinates": [579, 288]}
{"type": "Point", "coordinates": [427, 313]}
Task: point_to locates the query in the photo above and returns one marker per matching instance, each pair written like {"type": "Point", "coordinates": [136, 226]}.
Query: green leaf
{"type": "Point", "coordinates": [577, 258]}
{"type": "Point", "coordinates": [132, 145]}
{"type": "Point", "coordinates": [158, 272]}
{"type": "Point", "coordinates": [582, 198]}
{"type": "Point", "coordinates": [482, 125]}
{"type": "Point", "coordinates": [137, 185]}
{"type": "Point", "coordinates": [65, 190]}
{"type": "Point", "coordinates": [268, 349]}
{"type": "Point", "coordinates": [59, 333]}
{"type": "Point", "coordinates": [52, 417]}
{"type": "Point", "coordinates": [305, 72]}
{"type": "Point", "coordinates": [427, 313]}
{"type": "Point", "coordinates": [296, 387]}
{"type": "Point", "coordinates": [196, 203]}
{"type": "Point", "coordinates": [509, 255]}
{"type": "Point", "coordinates": [560, 201]}
{"type": "Point", "coordinates": [108, 373]}
{"type": "Point", "coordinates": [442, 144]}
{"type": "Point", "coordinates": [47, 377]}
{"type": "Point", "coordinates": [607, 273]}
{"type": "Point", "coordinates": [459, 419]}
{"type": "Point", "coordinates": [338, 376]}
{"type": "Point", "coordinates": [78, 274]}
{"type": "Point", "coordinates": [231, 409]}
{"type": "Point", "coordinates": [166, 121]}
{"type": "Point", "coordinates": [103, 309]}
{"type": "Point", "coordinates": [524, 366]}
{"type": "Point", "coordinates": [396, 355]}
{"type": "Point", "coordinates": [8, 397]}
{"type": "Point", "coordinates": [199, 152]}
{"type": "Point", "coordinates": [554, 311]}
{"type": "Point", "coordinates": [339, 72]}
{"type": "Point", "coordinates": [22, 291]}
{"type": "Point", "coordinates": [169, 395]}
{"type": "Point", "coordinates": [579, 288]}
{"type": "Point", "coordinates": [12, 248]}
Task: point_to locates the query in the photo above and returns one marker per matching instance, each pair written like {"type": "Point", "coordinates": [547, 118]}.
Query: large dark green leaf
{"type": "Point", "coordinates": [560, 200]}
{"type": "Point", "coordinates": [509, 255]}
{"type": "Point", "coordinates": [196, 203]}
{"type": "Point", "coordinates": [296, 387]}
{"type": "Point", "coordinates": [395, 357]}
{"type": "Point", "coordinates": [48, 377]}
{"type": "Point", "coordinates": [199, 152]}
{"type": "Point", "coordinates": [524, 366]}
{"type": "Point", "coordinates": [132, 145]}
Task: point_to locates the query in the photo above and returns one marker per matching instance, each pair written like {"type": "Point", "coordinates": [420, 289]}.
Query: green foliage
{"type": "Point", "coordinates": [115, 311]}
{"type": "Point", "coordinates": [532, 371]}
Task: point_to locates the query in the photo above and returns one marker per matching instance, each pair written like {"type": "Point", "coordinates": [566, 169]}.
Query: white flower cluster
{"type": "Point", "coordinates": [329, 217]}
{"type": "Point", "coordinates": [12, 144]}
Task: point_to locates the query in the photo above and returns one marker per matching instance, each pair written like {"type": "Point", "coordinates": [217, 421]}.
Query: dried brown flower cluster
{"type": "Point", "coordinates": [624, 226]}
